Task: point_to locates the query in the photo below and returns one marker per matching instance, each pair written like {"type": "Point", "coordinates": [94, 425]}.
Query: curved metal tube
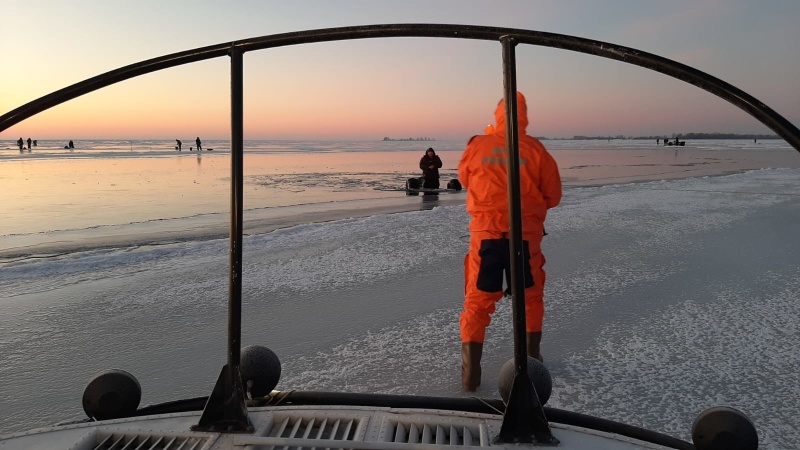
{"type": "Point", "coordinates": [726, 91]}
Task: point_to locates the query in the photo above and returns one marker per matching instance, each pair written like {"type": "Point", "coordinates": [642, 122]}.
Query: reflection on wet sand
{"type": "Point", "coordinates": [95, 202]}
{"type": "Point", "coordinates": [601, 167]}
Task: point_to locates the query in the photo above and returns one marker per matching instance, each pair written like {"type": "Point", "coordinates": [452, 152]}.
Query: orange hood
{"type": "Point", "coordinates": [522, 115]}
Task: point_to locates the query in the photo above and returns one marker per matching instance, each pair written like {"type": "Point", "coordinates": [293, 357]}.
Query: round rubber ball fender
{"type": "Point", "coordinates": [537, 373]}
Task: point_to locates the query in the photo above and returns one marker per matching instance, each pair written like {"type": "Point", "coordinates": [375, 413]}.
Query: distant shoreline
{"type": "Point", "coordinates": [425, 139]}
{"type": "Point", "coordinates": [126, 144]}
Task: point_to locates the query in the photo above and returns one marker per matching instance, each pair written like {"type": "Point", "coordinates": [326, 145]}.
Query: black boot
{"type": "Point", "coordinates": [471, 365]}
{"type": "Point", "coordinates": [534, 340]}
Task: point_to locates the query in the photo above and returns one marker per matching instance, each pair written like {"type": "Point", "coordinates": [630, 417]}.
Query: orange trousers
{"type": "Point", "coordinates": [486, 265]}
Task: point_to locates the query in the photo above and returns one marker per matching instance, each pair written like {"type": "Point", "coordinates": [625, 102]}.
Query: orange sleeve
{"type": "Point", "coordinates": [551, 181]}
{"type": "Point", "coordinates": [463, 165]}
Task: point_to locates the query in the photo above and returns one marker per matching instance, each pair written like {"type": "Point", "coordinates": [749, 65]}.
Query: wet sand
{"type": "Point", "coordinates": [213, 226]}
{"type": "Point", "coordinates": [63, 206]}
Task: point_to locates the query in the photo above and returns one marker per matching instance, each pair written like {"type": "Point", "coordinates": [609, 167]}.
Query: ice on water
{"type": "Point", "coordinates": [663, 298]}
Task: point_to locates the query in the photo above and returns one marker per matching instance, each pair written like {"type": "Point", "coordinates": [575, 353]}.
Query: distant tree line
{"type": "Point", "coordinates": [726, 136]}
{"type": "Point", "coordinates": [681, 136]}
{"type": "Point", "coordinates": [409, 139]}
{"type": "Point", "coordinates": [586, 138]}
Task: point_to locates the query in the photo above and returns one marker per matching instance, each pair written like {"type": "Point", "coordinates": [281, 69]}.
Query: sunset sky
{"type": "Point", "coordinates": [398, 87]}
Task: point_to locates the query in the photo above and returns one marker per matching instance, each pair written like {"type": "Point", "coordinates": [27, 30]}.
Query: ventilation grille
{"type": "Point", "coordinates": [431, 433]}
{"type": "Point", "coordinates": [337, 429]}
{"type": "Point", "coordinates": [105, 441]}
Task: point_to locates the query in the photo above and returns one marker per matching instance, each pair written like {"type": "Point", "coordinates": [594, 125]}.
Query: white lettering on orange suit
{"type": "Point", "coordinates": [499, 158]}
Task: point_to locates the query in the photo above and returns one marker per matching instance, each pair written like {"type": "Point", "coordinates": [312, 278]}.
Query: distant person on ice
{"type": "Point", "coordinates": [199, 145]}
{"type": "Point", "coordinates": [482, 171]}
{"type": "Point", "coordinates": [430, 165]}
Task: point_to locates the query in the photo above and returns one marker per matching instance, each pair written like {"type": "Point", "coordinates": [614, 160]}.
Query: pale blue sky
{"type": "Point", "coordinates": [442, 88]}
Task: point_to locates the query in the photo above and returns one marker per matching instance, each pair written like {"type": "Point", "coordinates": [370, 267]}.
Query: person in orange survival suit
{"type": "Point", "coordinates": [482, 171]}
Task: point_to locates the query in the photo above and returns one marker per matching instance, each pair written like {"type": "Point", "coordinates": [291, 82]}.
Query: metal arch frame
{"type": "Point", "coordinates": [719, 88]}
{"type": "Point", "coordinates": [524, 419]}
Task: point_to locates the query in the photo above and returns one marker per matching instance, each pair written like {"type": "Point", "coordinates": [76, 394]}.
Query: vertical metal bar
{"type": "Point", "coordinates": [514, 205]}
{"type": "Point", "coordinates": [226, 410]}
{"type": "Point", "coordinates": [524, 420]}
{"type": "Point", "coordinates": [237, 198]}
